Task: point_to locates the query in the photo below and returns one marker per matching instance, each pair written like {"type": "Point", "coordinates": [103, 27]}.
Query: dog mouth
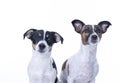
{"type": "Point", "coordinates": [41, 51]}
{"type": "Point", "coordinates": [94, 41]}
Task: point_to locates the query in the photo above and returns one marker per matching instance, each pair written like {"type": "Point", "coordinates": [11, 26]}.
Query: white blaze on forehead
{"type": "Point", "coordinates": [44, 35]}
{"type": "Point", "coordinates": [93, 27]}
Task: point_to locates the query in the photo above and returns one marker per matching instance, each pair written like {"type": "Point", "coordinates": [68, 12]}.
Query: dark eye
{"type": "Point", "coordinates": [98, 31]}
{"type": "Point", "coordinates": [86, 31]}
{"type": "Point", "coordinates": [48, 39]}
{"type": "Point", "coordinates": [33, 40]}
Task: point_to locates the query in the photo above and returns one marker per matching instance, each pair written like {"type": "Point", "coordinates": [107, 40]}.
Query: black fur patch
{"type": "Point", "coordinates": [54, 65]}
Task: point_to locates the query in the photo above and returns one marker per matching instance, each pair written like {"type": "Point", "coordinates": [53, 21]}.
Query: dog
{"type": "Point", "coordinates": [42, 68]}
{"type": "Point", "coordinates": [83, 67]}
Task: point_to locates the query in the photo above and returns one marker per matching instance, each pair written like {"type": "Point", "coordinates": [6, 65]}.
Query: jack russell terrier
{"type": "Point", "coordinates": [83, 66]}
{"type": "Point", "coordinates": [42, 68]}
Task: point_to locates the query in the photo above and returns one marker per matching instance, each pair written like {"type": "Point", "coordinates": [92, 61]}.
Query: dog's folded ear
{"type": "Point", "coordinates": [77, 24]}
{"type": "Point", "coordinates": [28, 33]}
{"type": "Point", "coordinates": [58, 37]}
{"type": "Point", "coordinates": [104, 25]}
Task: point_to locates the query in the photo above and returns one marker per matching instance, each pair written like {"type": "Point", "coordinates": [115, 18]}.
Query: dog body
{"type": "Point", "coordinates": [83, 67]}
{"type": "Point", "coordinates": [42, 68]}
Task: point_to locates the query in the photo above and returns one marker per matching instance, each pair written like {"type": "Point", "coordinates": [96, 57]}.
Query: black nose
{"type": "Point", "coordinates": [42, 46]}
{"type": "Point", "coordinates": [94, 37]}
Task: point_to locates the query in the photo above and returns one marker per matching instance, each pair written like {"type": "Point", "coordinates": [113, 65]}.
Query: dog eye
{"type": "Point", "coordinates": [34, 42]}
{"type": "Point", "coordinates": [98, 31]}
{"type": "Point", "coordinates": [48, 40]}
{"type": "Point", "coordinates": [86, 31]}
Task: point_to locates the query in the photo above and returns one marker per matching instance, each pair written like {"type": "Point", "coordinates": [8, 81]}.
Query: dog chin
{"type": "Point", "coordinates": [93, 43]}
{"type": "Point", "coordinates": [41, 51]}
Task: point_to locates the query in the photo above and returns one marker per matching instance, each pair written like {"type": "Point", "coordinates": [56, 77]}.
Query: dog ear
{"type": "Point", "coordinates": [104, 25]}
{"type": "Point", "coordinates": [58, 38]}
{"type": "Point", "coordinates": [77, 24]}
{"type": "Point", "coordinates": [28, 33]}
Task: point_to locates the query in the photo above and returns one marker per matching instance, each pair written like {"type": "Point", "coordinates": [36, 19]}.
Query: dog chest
{"type": "Point", "coordinates": [41, 69]}
{"type": "Point", "coordinates": [82, 68]}
{"type": "Point", "coordinates": [37, 66]}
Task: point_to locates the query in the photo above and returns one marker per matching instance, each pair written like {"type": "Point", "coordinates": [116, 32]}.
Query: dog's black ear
{"type": "Point", "coordinates": [58, 37]}
{"type": "Point", "coordinates": [104, 25]}
{"type": "Point", "coordinates": [28, 33]}
{"type": "Point", "coordinates": [77, 24]}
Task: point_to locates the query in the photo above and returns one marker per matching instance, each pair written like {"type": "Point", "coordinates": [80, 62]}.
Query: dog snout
{"type": "Point", "coordinates": [94, 37]}
{"type": "Point", "coordinates": [42, 46]}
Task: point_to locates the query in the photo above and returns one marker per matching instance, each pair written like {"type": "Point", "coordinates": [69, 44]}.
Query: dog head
{"type": "Point", "coordinates": [42, 41]}
{"type": "Point", "coordinates": [91, 34]}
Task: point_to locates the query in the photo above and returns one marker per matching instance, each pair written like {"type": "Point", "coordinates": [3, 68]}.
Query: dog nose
{"type": "Point", "coordinates": [42, 46]}
{"type": "Point", "coordinates": [94, 37]}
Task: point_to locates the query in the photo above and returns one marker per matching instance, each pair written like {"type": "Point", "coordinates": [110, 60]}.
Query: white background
{"type": "Point", "coordinates": [17, 16]}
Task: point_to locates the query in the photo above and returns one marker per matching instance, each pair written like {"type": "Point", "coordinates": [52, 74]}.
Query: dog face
{"type": "Point", "coordinates": [42, 41]}
{"type": "Point", "coordinates": [91, 34]}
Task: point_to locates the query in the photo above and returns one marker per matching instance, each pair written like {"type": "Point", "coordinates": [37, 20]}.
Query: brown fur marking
{"type": "Point", "coordinates": [64, 65]}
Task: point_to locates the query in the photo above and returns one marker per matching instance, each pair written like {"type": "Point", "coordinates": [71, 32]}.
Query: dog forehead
{"type": "Point", "coordinates": [49, 34]}
{"type": "Point", "coordinates": [97, 27]}
{"type": "Point", "coordinates": [90, 27]}
{"type": "Point", "coordinates": [38, 34]}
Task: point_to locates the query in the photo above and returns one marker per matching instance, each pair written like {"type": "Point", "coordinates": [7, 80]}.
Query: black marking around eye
{"type": "Point", "coordinates": [97, 29]}
{"type": "Point", "coordinates": [49, 37]}
{"type": "Point", "coordinates": [37, 36]}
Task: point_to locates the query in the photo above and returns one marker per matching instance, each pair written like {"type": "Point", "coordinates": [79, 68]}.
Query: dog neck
{"type": "Point", "coordinates": [88, 52]}
{"type": "Point", "coordinates": [89, 49]}
{"type": "Point", "coordinates": [40, 60]}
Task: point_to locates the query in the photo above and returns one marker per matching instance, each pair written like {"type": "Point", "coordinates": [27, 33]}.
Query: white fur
{"type": "Point", "coordinates": [40, 68]}
{"type": "Point", "coordinates": [83, 66]}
